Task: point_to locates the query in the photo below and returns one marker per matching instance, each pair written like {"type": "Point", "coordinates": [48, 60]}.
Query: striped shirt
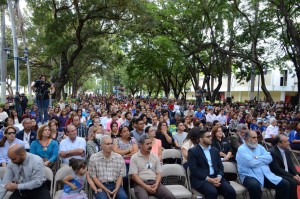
{"type": "Point", "coordinates": [107, 169]}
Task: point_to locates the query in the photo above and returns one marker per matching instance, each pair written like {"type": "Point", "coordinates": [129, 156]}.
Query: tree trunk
{"type": "Point", "coordinates": [217, 89]}
{"type": "Point", "coordinates": [3, 56]}
{"type": "Point", "coordinates": [15, 43]}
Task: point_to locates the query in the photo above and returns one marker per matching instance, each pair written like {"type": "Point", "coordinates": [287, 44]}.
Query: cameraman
{"type": "Point", "coordinates": [43, 89]}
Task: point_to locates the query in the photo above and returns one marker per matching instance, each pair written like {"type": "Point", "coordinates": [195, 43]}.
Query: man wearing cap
{"type": "Point", "coordinates": [238, 138]}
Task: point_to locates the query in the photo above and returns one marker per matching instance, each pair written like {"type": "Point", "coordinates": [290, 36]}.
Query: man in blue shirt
{"type": "Point", "coordinates": [207, 172]}
{"type": "Point", "coordinates": [253, 166]}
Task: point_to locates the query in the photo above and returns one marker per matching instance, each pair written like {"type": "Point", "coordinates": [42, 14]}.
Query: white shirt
{"type": "Point", "coordinates": [210, 117]}
{"type": "Point", "coordinates": [104, 122]}
{"type": "Point", "coordinates": [67, 145]}
{"type": "Point", "coordinates": [222, 119]}
{"type": "Point", "coordinates": [3, 116]}
{"type": "Point", "coordinates": [26, 139]}
{"type": "Point", "coordinates": [271, 130]}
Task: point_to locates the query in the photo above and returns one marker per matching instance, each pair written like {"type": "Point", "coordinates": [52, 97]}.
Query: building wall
{"type": "Point", "coordinates": [241, 90]}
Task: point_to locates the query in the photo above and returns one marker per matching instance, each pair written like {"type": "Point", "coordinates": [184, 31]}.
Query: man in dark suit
{"type": "Point", "coordinates": [27, 135]}
{"type": "Point", "coordinates": [282, 164]}
{"type": "Point", "coordinates": [206, 167]}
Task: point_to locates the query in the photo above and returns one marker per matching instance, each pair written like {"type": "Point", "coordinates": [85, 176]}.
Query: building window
{"type": "Point", "coordinates": [283, 78]}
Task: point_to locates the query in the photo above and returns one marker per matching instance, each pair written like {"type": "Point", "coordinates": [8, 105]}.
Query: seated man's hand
{"type": "Point", "coordinates": [149, 189]}
{"type": "Point", "coordinates": [11, 186]}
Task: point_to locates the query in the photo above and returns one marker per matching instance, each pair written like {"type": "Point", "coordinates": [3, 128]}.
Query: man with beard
{"type": "Point", "coordinates": [146, 172]}
{"type": "Point", "coordinates": [253, 166]}
{"type": "Point", "coordinates": [207, 171]}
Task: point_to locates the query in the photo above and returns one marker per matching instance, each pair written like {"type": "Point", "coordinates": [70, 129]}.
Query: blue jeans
{"type": "Point", "coordinates": [111, 186]}
{"type": "Point", "coordinates": [43, 105]}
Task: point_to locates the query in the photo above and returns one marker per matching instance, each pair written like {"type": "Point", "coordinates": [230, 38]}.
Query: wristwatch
{"type": "Point", "coordinates": [256, 157]}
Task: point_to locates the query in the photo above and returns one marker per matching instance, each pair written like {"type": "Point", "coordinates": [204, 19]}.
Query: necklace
{"type": "Point", "coordinates": [45, 145]}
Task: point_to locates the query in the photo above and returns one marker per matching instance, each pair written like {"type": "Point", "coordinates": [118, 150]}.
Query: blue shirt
{"type": "Point", "coordinates": [208, 157]}
{"type": "Point", "coordinates": [254, 127]}
{"type": "Point", "coordinates": [199, 115]}
{"type": "Point", "coordinates": [50, 154]}
{"type": "Point", "coordinates": [3, 150]}
{"type": "Point", "coordinates": [293, 136]}
{"type": "Point", "coordinates": [258, 168]}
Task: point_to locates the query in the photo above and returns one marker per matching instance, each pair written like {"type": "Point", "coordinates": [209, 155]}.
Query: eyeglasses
{"type": "Point", "coordinates": [254, 137]}
{"type": "Point", "coordinates": [110, 143]}
{"type": "Point", "coordinates": [9, 133]}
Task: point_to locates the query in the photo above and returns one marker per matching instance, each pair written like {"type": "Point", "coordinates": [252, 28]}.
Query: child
{"type": "Point", "coordinates": [253, 125]}
{"type": "Point", "coordinates": [74, 183]}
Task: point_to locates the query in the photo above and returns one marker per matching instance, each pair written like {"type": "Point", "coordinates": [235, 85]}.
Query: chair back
{"type": "Point", "coordinates": [59, 176]}
{"type": "Point", "coordinates": [49, 176]}
{"type": "Point", "coordinates": [171, 156]}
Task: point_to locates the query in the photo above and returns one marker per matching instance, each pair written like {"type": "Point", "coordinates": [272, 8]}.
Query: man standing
{"type": "Point", "coordinates": [253, 166]}
{"type": "Point", "coordinates": [282, 164]}
{"type": "Point", "coordinates": [107, 170]}
{"type": "Point", "coordinates": [81, 130]}
{"type": "Point", "coordinates": [73, 146]}
{"type": "Point", "coordinates": [27, 135]}
{"type": "Point", "coordinates": [24, 176]}
{"type": "Point", "coordinates": [198, 95]}
{"type": "Point", "coordinates": [146, 172]}
{"type": "Point", "coordinates": [207, 175]}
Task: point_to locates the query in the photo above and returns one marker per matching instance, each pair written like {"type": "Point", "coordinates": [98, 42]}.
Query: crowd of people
{"type": "Point", "coordinates": [105, 139]}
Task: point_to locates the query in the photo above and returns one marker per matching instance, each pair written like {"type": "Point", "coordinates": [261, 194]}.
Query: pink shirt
{"type": "Point", "coordinates": [156, 146]}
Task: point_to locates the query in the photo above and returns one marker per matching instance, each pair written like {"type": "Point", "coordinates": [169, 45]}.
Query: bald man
{"type": "Point", "coordinates": [24, 176]}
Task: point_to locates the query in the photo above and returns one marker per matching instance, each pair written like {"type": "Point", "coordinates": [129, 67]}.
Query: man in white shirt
{"type": "Point", "coordinates": [222, 118]}
{"type": "Point", "coordinates": [210, 117]}
{"type": "Point", "coordinates": [271, 131]}
{"type": "Point", "coordinates": [180, 135]}
{"type": "Point", "coordinates": [105, 119]}
{"type": "Point", "coordinates": [73, 146]}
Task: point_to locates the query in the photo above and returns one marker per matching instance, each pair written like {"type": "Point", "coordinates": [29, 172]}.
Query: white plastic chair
{"type": "Point", "coordinates": [178, 190]}
{"type": "Point", "coordinates": [59, 176]}
{"type": "Point", "coordinates": [49, 176]}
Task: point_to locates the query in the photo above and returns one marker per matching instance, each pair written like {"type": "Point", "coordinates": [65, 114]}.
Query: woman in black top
{"type": "Point", "coordinates": [221, 143]}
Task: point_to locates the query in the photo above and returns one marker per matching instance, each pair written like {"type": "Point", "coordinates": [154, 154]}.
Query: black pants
{"type": "Point", "coordinates": [37, 193]}
{"type": "Point", "coordinates": [255, 192]}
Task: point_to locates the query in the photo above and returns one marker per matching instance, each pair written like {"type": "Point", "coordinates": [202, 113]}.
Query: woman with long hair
{"type": "Point", "coordinates": [114, 130]}
{"type": "Point", "coordinates": [221, 143]}
{"type": "Point", "coordinates": [7, 141]}
{"type": "Point", "coordinates": [164, 135]}
{"type": "Point", "coordinates": [45, 147]}
{"type": "Point", "coordinates": [93, 143]}
{"type": "Point", "coordinates": [14, 116]}
{"type": "Point", "coordinates": [191, 140]}
{"type": "Point", "coordinates": [63, 117]}
{"type": "Point", "coordinates": [156, 143]}
{"type": "Point", "coordinates": [82, 118]}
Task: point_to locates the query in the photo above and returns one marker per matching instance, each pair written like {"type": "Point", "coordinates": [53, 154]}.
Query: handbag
{"type": "Point", "coordinates": [67, 188]}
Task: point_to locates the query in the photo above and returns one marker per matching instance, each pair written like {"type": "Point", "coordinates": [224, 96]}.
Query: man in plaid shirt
{"type": "Point", "coordinates": [107, 170]}
{"type": "Point", "coordinates": [81, 130]}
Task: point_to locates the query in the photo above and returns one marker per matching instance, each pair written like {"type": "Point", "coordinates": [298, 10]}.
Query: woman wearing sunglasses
{"type": "Point", "coordinates": [7, 141]}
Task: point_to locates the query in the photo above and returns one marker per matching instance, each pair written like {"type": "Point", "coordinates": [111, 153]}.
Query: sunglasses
{"type": "Point", "coordinates": [9, 133]}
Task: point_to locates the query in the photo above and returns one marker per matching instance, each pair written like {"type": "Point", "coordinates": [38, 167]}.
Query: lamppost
{"type": "Point", "coordinates": [17, 59]}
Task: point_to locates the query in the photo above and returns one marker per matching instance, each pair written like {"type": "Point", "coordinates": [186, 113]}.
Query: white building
{"type": "Point", "coordinates": [281, 85]}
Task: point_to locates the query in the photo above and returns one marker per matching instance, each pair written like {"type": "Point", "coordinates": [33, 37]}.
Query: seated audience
{"type": "Point", "coordinates": [164, 135]}
{"type": "Point", "coordinates": [221, 143]}
{"type": "Point", "coordinates": [207, 172]}
{"type": "Point", "coordinates": [93, 145]}
{"type": "Point", "coordinates": [156, 143]}
{"type": "Point", "coordinates": [191, 140]}
{"type": "Point", "coordinates": [253, 166]}
{"type": "Point", "coordinates": [45, 147]}
{"type": "Point", "coordinates": [7, 141]}
{"type": "Point", "coordinates": [146, 172]}
{"type": "Point", "coordinates": [72, 146]}
{"type": "Point", "coordinates": [294, 136]}
{"type": "Point", "coordinates": [24, 175]}
{"type": "Point", "coordinates": [27, 134]}
{"type": "Point", "coordinates": [282, 164]}
{"type": "Point", "coordinates": [180, 135]}
{"type": "Point", "coordinates": [271, 131]}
